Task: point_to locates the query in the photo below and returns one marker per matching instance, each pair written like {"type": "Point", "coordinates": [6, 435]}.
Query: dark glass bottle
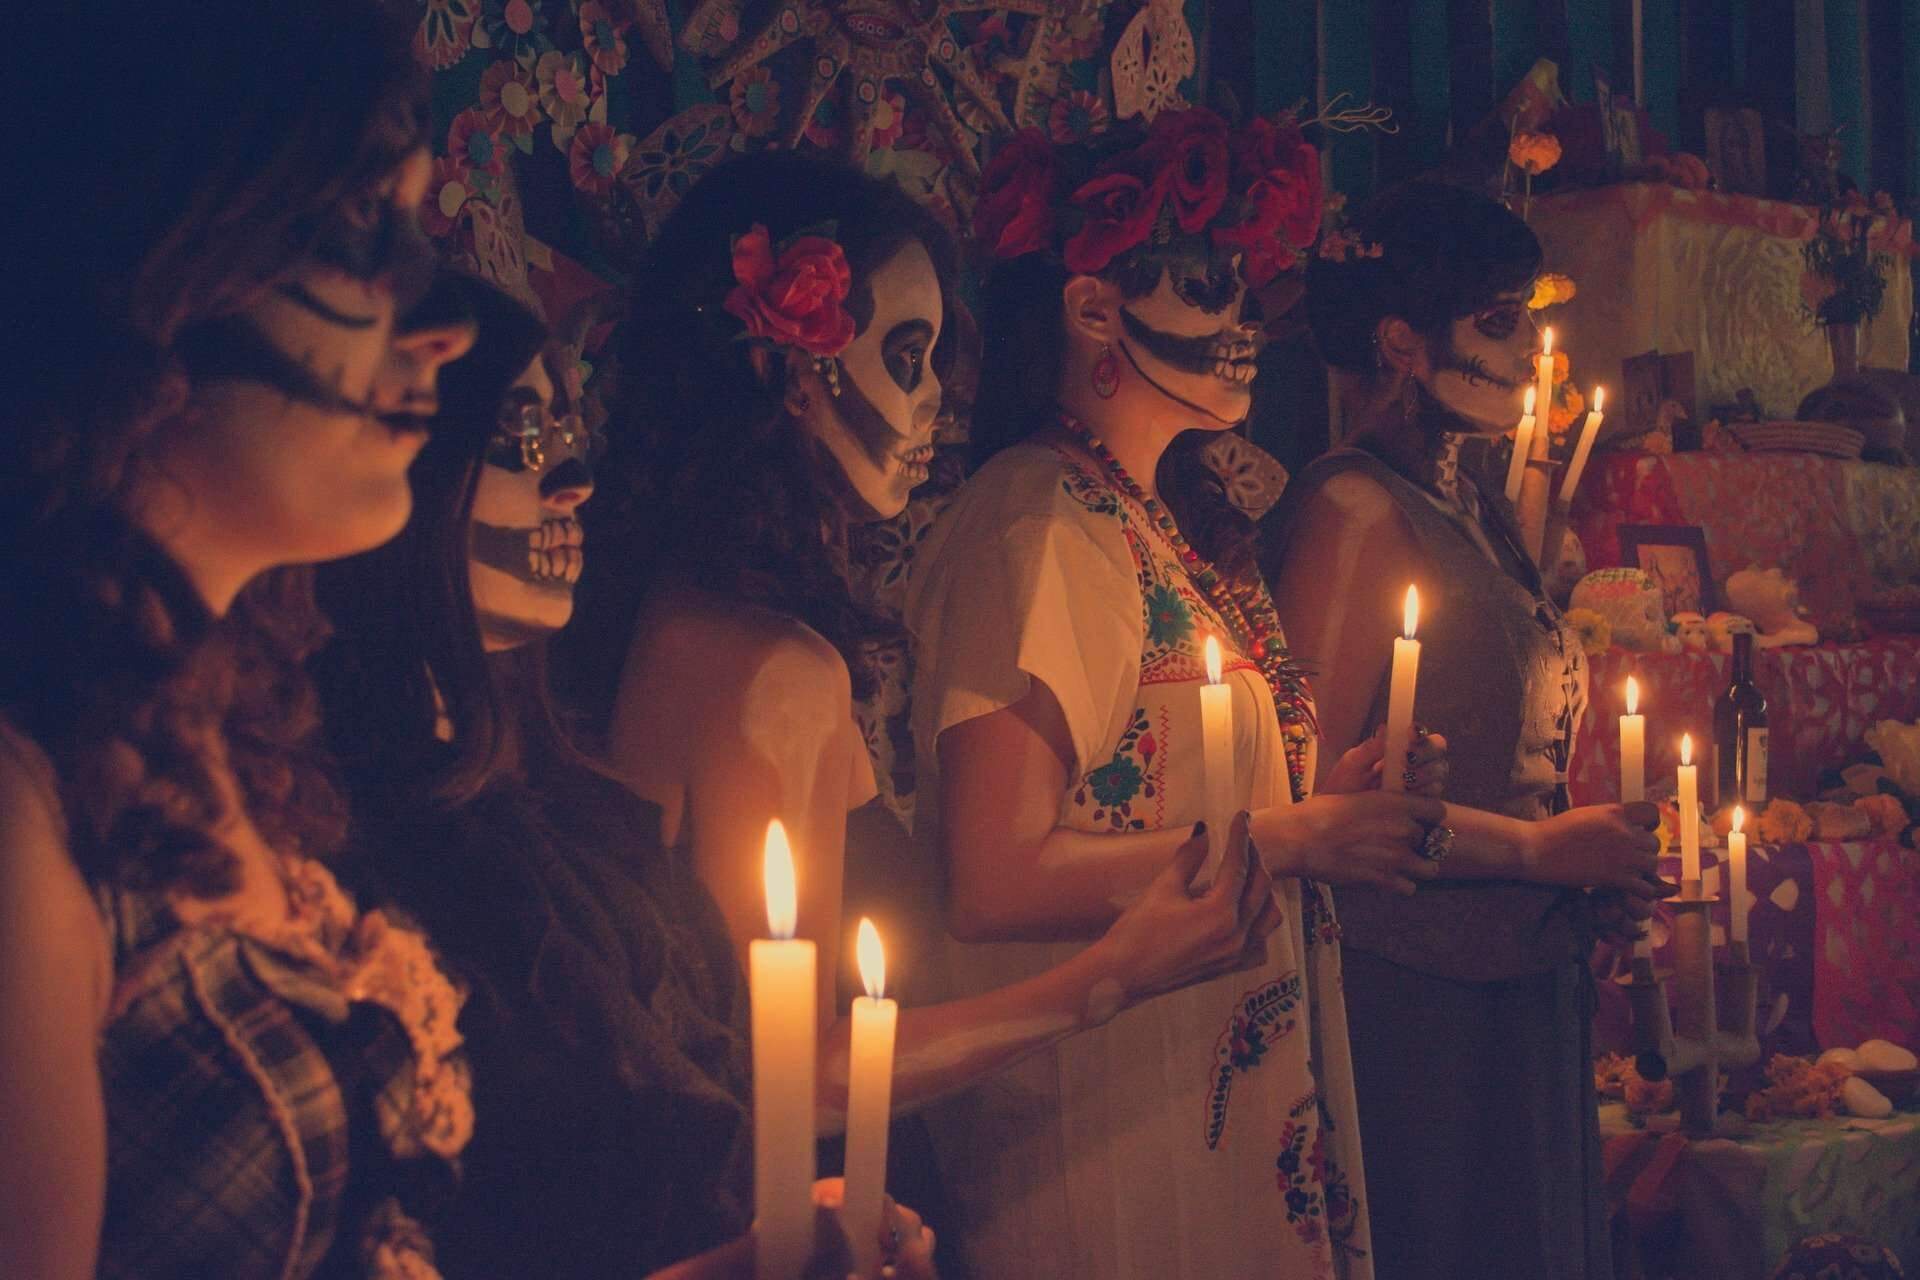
{"type": "Point", "coordinates": [1740, 735]}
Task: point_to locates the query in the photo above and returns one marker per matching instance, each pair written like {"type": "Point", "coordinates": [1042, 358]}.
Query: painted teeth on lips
{"type": "Point", "coordinates": [561, 564]}
{"type": "Point", "coordinates": [554, 534]}
{"type": "Point", "coordinates": [1239, 372]}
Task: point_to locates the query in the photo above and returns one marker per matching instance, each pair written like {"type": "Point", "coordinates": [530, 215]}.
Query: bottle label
{"type": "Point", "coordinates": [1756, 766]}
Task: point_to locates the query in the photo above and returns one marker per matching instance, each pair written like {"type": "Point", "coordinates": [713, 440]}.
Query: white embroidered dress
{"type": "Point", "coordinates": [1207, 1133]}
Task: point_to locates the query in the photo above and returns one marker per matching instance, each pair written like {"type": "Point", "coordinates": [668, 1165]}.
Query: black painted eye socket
{"type": "Point", "coordinates": [1212, 292]}
{"type": "Point", "coordinates": [1499, 323]}
{"type": "Point", "coordinates": [907, 366]}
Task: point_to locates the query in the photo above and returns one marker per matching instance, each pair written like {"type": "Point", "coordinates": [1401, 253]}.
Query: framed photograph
{"type": "Point", "coordinates": [1675, 557]}
{"type": "Point", "coordinates": [1737, 150]}
{"type": "Point", "coordinates": [1652, 379]}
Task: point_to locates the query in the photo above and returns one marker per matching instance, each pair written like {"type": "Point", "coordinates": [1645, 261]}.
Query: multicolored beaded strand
{"type": "Point", "coordinates": [1245, 606]}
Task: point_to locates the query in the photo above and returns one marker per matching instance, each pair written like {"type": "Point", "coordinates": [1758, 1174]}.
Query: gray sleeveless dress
{"type": "Point", "coordinates": [1470, 1004]}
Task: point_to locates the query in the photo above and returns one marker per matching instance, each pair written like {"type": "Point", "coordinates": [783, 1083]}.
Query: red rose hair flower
{"type": "Point", "coordinates": [1014, 215]}
{"type": "Point", "coordinates": [1121, 210]}
{"type": "Point", "coordinates": [1190, 149]}
{"type": "Point", "coordinates": [792, 300]}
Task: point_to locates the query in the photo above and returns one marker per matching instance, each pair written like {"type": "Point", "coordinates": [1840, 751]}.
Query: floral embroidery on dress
{"type": "Point", "coordinates": [1134, 773]}
{"type": "Point", "coordinates": [1169, 618]}
{"type": "Point", "coordinates": [1091, 492]}
{"type": "Point", "coordinates": [1262, 1017]}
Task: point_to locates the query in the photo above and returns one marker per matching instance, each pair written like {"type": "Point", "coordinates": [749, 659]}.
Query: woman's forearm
{"type": "Point", "coordinates": [1071, 887]}
{"type": "Point", "coordinates": [1488, 846]}
{"type": "Point", "coordinates": [943, 1048]}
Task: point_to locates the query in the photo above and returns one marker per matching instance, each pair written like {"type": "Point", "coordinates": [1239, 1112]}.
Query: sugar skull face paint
{"type": "Point", "coordinates": [1192, 341]}
{"type": "Point", "coordinates": [879, 428]}
{"type": "Point", "coordinates": [1482, 368]}
{"type": "Point", "coordinates": [525, 550]}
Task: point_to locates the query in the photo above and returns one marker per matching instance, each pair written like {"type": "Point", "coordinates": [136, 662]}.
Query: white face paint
{"type": "Point", "coordinates": [880, 427]}
{"type": "Point", "coordinates": [1483, 373]}
{"type": "Point", "coordinates": [525, 546]}
{"type": "Point", "coordinates": [1190, 341]}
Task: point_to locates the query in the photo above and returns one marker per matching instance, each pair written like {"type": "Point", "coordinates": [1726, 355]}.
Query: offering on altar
{"type": "Point", "coordinates": [1691, 630]}
{"type": "Point", "coordinates": [1772, 600]}
{"type": "Point", "coordinates": [1631, 602]}
{"type": "Point", "coordinates": [1723, 626]}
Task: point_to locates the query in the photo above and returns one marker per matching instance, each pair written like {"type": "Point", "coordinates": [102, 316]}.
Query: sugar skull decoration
{"type": "Point", "coordinates": [1631, 602]}
{"type": "Point", "coordinates": [1772, 600]}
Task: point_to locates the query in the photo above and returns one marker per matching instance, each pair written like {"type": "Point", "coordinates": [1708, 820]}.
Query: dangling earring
{"type": "Point", "coordinates": [828, 367]}
{"type": "Point", "coordinates": [1409, 399]}
{"type": "Point", "coordinates": [1106, 374]}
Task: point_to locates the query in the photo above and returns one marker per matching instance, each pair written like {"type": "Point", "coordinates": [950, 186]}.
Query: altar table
{"type": "Point", "coordinates": [1729, 1208]}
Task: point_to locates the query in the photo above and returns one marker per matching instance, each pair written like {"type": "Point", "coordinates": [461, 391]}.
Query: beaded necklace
{"type": "Point", "coordinates": [1245, 606]}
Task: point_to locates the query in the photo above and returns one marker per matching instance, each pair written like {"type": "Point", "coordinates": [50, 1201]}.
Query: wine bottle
{"type": "Point", "coordinates": [1740, 735]}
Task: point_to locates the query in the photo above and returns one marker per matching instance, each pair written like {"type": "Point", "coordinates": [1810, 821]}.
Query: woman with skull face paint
{"type": "Point", "coordinates": [1060, 608]}
{"type": "Point", "coordinates": [604, 1016]}
{"type": "Point", "coordinates": [1469, 1002]}
{"type": "Point", "coordinates": [782, 374]}
{"type": "Point", "coordinates": [210, 1063]}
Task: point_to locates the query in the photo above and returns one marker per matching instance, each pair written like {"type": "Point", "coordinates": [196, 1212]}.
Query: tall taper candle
{"type": "Point", "coordinates": [1522, 446]}
{"type": "Point", "coordinates": [1737, 873]}
{"type": "Point", "coordinates": [1689, 802]}
{"type": "Point", "coordinates": [1543, 395]}
{"type": "Point", "coordinates": [1406, 673]}
{"type": "Point", "coordinates": [869, 1104]}
{"type": "Point", "coordinates": [781, 982]}
{"type": "Point", "coordinates": [1582, 451]}
{"type": "Point", "coordinates": [1216, 759]}
{"type": "Point", "coordinates": [1633, 748]}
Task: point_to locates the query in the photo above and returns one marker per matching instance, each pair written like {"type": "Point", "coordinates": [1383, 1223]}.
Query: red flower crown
{"type": "Point", "coordinates": [1193, 188]}
{"type": "Point", "coordinates": [792, 298]}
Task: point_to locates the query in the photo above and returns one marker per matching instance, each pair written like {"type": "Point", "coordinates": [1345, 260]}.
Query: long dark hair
{"type": "Point", "coordinates": [1025, 346]}
{"type": "Point", "coordinates": [1445, 253]}
{"type": "Point", "coordinates": [709, 482]}
{"type": "Point", "coordinates": [542, 882]}
{"type": "Point", "coordinates": [131, 244]}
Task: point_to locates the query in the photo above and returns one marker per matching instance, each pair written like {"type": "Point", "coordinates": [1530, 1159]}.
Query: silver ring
{"type": "Point", "coordinates": [1437, 844]}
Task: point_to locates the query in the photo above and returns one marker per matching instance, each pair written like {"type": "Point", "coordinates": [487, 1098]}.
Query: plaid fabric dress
{"type": "Point", "coordinates": [262, 1120]}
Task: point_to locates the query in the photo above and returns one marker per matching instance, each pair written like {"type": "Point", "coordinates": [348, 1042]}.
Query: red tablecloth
{"type": "Point", "coordinates": [1821, 700]}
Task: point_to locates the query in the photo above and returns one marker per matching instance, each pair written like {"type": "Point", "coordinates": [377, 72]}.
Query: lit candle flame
{"type": "Point", "coordinates": [1546, 348]}
{"type": "Point", "coordinates": [1599, 396]}
{"type": "Point", "coordinates": [783, 904]}
{"type": "Point", "coordinates": [1533, 393]}
{"type": "Point", "coordinates": [1633, 696]}
{"type": "Point", "coordinates": [1213, 660]}
{"type": "Point", "coordinates": [1739, 818]}
{"type": "Point", "coordinates": [1686, 748]}
{"type": "Point", "coordinates": [1410, 614]}
{"type": "Point", "coordinates": [873, 959]}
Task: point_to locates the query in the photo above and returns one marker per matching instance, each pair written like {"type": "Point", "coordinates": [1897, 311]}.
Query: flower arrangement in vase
{"type": "Point", "coordinates": [1847, 261]}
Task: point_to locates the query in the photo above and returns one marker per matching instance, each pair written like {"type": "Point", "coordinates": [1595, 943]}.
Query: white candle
{"type": "Point", "coordinates": [1522, 445]}
{"type": "Point", "coordinates": [1588, 433]}
{"type": "Point", "coordinates": [1406, 672]}
{"type": "Point", "coordinates": [1543, 396]}
{"type": "Point", "coordinates": [1689, 812]}
{"type": "Point", "coordinates": [869, 1104]}
{"type": "Point", "coordinates": [1633, 748]}
{"type": "Point", "coordinates": [1737, 872]}
{"type": "Point", "coordinates": [1216, 758]}
{"type": "Point", "coordinates": [781, 983]}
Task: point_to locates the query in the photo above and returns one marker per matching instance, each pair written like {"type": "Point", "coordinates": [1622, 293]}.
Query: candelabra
{"type": "Point", "coordinates": [1694, 1057]}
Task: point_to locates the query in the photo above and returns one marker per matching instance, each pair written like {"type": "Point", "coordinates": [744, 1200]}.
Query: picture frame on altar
{"type": "Point", "coordinates": [1650, 380]}
{"type": "Point", "coordinates": [1675, 557]}
{"type": "Point", "coordinates": [1737, 150]}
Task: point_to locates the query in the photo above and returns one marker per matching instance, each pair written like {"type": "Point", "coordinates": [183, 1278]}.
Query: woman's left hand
{"type": "Point", "coordinates": [1425, 770]}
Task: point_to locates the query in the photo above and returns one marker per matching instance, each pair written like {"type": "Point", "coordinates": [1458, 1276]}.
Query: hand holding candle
{"type": "Point", "coordinates": [1633, 748]}
{"type": "Point", "coordinates": [1689, 816]}
{"type": "Point", "coordinates": [1216, 757]}
{"type": "Point", "coordinates": [781, 983]}
{"type": "Point", "coordinates": [1522, 446]}
{"type": "Point", "coordinates": [1406, 673]}
{"type": "Point", "coordinates": [869, 1104]}
{"type": "Point", "coordinates": [1737, 873]}
{"type": "Point", "coordinates": [1583, 450]}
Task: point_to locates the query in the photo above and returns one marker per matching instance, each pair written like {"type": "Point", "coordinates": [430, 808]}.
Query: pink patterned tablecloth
{"type": "Point", "coordinates": [1842, 529]}
{"type": "Point", "coordinates": [1821, 700]}
{"type": "Point", "coordinates": [1866, 957]}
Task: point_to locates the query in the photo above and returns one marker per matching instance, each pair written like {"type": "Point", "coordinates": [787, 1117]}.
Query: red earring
{"type": "Point", "coordinates": [1106, 374]}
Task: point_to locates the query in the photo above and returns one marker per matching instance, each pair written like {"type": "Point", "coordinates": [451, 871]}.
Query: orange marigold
{"type": "Point", "coordinates": [1785, 822]}
{"type": "Point", "coordinates": [1888, 814]}
{"type": "Point", "coordinates": [1534, 153]}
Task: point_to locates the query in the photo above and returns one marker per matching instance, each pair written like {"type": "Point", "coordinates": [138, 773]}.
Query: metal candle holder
{"type": "Point", "coordinates": [1695, 1056]}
